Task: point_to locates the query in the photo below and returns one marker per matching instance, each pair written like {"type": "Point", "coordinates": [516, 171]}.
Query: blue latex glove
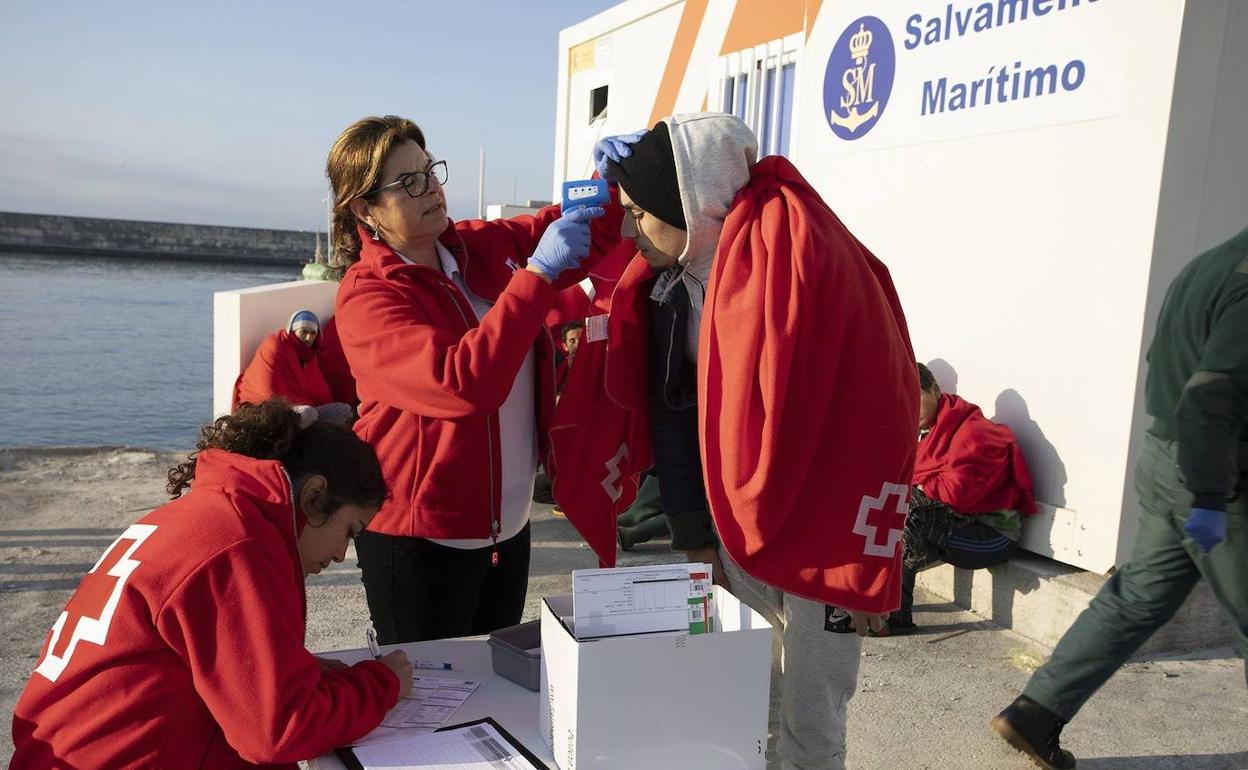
{"type": "Point", "coordinates": [1206, 527]}
{"type": "Point", "coordinates": [565, 242]}
{"type": "Point", "coordinates": [614, 148]}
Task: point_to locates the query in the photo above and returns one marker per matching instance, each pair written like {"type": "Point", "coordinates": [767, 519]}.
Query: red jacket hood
{"type": "Point", "coordinates": [263, 481]}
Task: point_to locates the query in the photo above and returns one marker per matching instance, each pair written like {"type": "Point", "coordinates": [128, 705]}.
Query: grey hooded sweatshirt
{"type": "Point", "coordinates": [714, 153]}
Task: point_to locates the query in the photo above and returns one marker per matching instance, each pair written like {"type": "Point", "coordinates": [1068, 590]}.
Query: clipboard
{"type": "Point", "coordinates": [349, 759]}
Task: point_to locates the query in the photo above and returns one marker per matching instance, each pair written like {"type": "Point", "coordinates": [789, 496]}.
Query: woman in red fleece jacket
{"type": "Point", "coordinates": [183, 646]}
{"type": "Point", "coordinates": [442, 324]}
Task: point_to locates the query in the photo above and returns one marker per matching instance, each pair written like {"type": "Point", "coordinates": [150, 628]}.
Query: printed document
{"type": "Point", "coordinates": [640, 600]}
{"type": "Point", "coordinates": [428, 706]}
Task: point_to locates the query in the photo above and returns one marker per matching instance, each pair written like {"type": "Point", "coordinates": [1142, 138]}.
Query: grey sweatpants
{"type": "Point", "coordinates": [817, 670]}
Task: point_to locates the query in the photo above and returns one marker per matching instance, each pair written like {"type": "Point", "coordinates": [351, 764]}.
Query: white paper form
{"type": "Point", "coordinates": [426, 708]}
{"type": "Point", "coordinates": [473, 747]}
{"type": "Point", "coordinates": [634, 600]}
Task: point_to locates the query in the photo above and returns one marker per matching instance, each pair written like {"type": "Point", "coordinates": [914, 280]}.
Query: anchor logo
{"type": "Point", "coordinates": [857, 85]}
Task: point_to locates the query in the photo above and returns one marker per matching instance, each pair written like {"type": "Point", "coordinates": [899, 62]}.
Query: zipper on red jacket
{"type": "Point", "coordinates": [495, 518]}
{"type": "Point", "coordinates": [294, 528]}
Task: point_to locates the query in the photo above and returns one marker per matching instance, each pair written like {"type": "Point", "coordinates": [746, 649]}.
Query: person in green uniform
{"type": "Point", "coordinates": [1191, 478]}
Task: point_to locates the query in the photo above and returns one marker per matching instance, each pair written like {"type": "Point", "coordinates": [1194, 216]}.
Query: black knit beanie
{"type": "Point", "coordinates": [649, 176]}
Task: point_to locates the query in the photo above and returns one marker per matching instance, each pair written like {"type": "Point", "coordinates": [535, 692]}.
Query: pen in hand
{"type": "Point", "coordinates": [373, 647]}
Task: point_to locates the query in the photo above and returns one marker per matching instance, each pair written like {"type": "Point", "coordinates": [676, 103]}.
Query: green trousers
{"type": "Point", "coordinates": [644, 520]}
{"type": "Point", "coordinates": [1149, 589]}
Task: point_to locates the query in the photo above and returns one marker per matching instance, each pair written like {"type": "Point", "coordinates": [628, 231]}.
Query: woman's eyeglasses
{"type": "Point", "coordinates": [416, 183]}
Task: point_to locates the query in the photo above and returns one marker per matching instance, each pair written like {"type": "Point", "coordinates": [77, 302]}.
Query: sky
{"type": "Point", "coordinates": [223, 112]}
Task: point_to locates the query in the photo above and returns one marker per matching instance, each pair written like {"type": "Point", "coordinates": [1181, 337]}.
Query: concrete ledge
{"type": "Point", "coordinates": [1039, 598]}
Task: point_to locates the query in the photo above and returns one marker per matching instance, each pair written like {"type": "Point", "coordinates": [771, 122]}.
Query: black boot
{"type": "Point", "coordinates": [1034, 730]}
{"type": "Point", "coordinates": [900, 623]}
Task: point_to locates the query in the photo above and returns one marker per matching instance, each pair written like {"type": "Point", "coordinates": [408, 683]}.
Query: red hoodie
{"type": "Point", "coordinates": [183, 647]}
{"type": "Point", "coordinates": [972, 464]}
{"type": "Point", "coordinates": [283, 366]}
{"type": "Point", "coordinates": [431, 378]}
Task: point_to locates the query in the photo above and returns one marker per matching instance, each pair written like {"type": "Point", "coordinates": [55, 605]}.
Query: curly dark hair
{"type": "Point", "coordinates": [270, 431]}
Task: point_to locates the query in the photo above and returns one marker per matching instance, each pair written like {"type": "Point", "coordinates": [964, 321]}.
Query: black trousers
{"type": "Point", "coordinates": [419, 590]}
{"type": "Point", "coordinates": [974, 545]}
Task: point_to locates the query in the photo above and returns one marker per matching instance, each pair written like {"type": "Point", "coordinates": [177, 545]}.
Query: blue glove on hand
{"type": "Point", "coordinates": [565, 242]}
{"type": "Point", "coordinates": [614, 148]}
{"type": "Point", "coordinates": [1206, 527]}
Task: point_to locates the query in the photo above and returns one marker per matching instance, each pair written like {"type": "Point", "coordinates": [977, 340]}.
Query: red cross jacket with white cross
{"type": "Point", "coordinates": [807, 401]}
{"type": "Point", "coordinates": [183, 647]}
{"type": "Point", "coordinates": [431, 377]}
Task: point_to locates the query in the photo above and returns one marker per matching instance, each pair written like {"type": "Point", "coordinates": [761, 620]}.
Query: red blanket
{"type": "Point", "coordinates": [807, 398]}
{"type": "Point", "coordinates": [971, 463]}
{"type": "Point", "coordinates": [283, 366]}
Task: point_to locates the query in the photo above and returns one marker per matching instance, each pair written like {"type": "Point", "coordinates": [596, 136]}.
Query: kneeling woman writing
{"type": "Point", "coordinates": [183, 646]}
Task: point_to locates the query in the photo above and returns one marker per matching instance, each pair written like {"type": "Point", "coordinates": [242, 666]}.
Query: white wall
{"type": "Point", "coordinates": [1020, 235]}
{"type": "Point", "coordinates": [631, 42]}
{"type": "Point", "coordinates": [241, 320]}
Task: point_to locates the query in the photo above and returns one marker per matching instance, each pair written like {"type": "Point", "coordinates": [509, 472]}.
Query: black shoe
{"type": "Point", "coordinates": [900, 624]}
{"type": "Point", "coordinates": [626, 541]}
{"type": "Point", "coordinates": [1034, 731]}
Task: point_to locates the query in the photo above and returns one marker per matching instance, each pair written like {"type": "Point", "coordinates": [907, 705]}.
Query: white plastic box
{"type": "Point", "coordinates": [657, 701]}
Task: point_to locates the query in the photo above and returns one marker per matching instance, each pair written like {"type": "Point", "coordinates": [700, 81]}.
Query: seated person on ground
{"type": "Point", "coordinates": [288, 364]}
{"type": "Point", "coordinates": [970, 491]}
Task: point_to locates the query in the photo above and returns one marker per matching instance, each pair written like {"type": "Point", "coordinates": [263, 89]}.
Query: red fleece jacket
{"type": "Point", "coordinates": [971, 463]}
{"type": "Point", "coordinates": [431, 378]}
{"type": "Point", "coordinates": [183, 647]}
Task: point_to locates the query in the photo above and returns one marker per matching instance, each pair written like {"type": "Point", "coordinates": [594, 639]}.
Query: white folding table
{"type": "Point", "coordinates": [509, 704]}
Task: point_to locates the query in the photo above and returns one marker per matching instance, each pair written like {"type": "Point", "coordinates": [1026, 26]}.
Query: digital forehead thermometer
{"type": "Point", "coordinates": [580, 193]}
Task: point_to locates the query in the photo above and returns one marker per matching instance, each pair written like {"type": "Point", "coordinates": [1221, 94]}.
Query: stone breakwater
{"type": "Point", "coordinates": [52, 235]}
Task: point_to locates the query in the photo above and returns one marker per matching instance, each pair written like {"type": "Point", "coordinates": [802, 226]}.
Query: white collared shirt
{"type": "Point", "coordinates": [518, 420]}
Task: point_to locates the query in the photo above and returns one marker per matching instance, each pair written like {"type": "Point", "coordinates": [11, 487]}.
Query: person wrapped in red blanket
{"type": "Point", "coordinates": [971, 490]}
{"type": "Point", "coordinates": [292, 363]}
{"type": "Point", "coordinates": [769, 349]}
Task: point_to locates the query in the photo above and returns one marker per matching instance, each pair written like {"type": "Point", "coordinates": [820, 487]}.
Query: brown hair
{"type": "Point", "coordinates": [354, 168]}
{"type": "Point", "coordinates": [270, 431]}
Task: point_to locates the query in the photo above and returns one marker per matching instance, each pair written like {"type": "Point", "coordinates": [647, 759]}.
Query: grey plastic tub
{"type": "Point", "coordinates": [516, 654]}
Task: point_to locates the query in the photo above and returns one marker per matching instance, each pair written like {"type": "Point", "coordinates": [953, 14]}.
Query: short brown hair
{"type": "Point", "coordinates": [354, 168]}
